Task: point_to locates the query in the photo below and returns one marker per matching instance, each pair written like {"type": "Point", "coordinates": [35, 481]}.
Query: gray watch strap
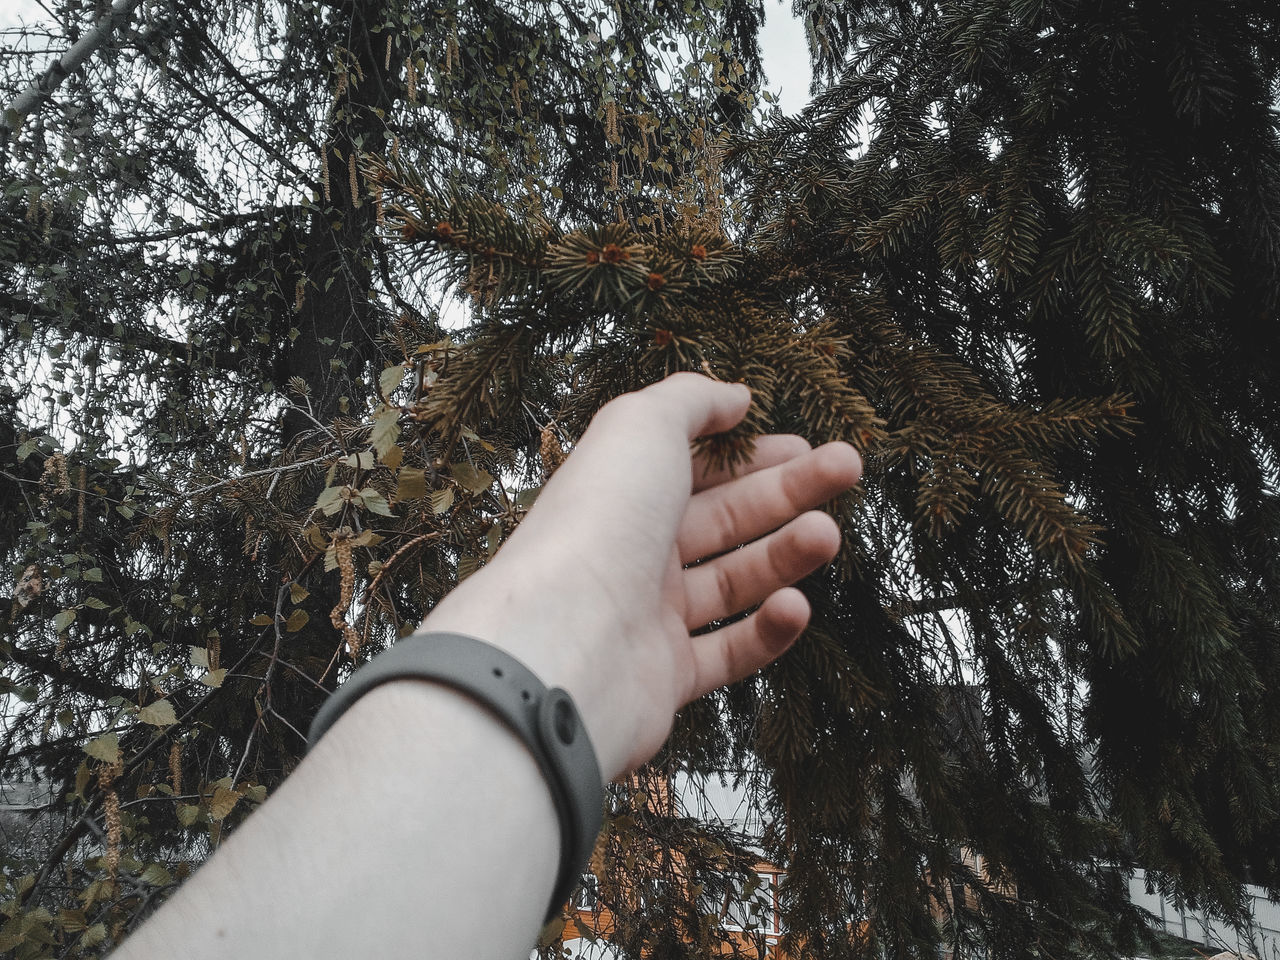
{"type": "Point", "coordinates": [545, 720]}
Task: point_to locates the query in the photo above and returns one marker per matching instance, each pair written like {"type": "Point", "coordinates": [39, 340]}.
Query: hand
{"type": "Point", "coordinates": [594, 593]}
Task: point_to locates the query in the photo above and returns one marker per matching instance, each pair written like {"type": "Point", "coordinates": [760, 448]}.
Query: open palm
{"type": "Point", "coordinates": [632, 546]}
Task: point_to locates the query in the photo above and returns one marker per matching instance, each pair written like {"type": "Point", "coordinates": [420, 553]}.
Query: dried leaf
{"type": "Point", "coordinates": [256, 793]}
{"type": "Point", "coordinates": [331, 499]}
{"type": "Point", "coordinates": [156, 876]}
{"type": "Point", "coordinates": [188, 813]}
{"type": "Point", "coordinates": [471, 435]}
{"type": "Point", "coordinates": [551, 932]}
{"type": "Point", "coordinates": [223, 802]}
{"type": "Point", "coordinates": [442, 500]}
{"type": "Point", "coordinates": [467, 565]}
{"type": "Point", "coordinates": [297, 620]}
{"type": "Point", "coordinates": [214, 678]}
{"type": "Point", "coordinates": [393, 457]}
{"type": "Point", "coordinates": [391, 378]}
{"type": "Point", "coordinates": [386, 429]}
{"type": "Point", "coordinates": [92, 937]}
{"type": "Point", "coordinates": [200, 655]}
{"type": "Point", "coordinates": [375, 502]}
{"type": "Point", "coordinates": [298, 593]}
{"type": "Point", "coordinates": [72, 921]}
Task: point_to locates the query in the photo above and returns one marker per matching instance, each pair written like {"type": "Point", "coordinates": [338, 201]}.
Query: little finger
{"type": "Point", "coordinates": [744, 646]}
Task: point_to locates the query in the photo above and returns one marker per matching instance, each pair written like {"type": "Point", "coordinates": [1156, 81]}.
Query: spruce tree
{"type": "Point", "coordinates": [200, 299]}
{"type": "Point", "coordinates": [1021, 254]}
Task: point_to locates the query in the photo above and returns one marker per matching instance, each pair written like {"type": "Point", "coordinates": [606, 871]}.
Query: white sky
{"type": "Point", "coordinates": [13, 12]}
{"type": "Point", "coordinates": [782, 47]}
{"type": "Point", "coordinates": [783, 50]}
{"type": "Point", "coordinates": [785, 55]}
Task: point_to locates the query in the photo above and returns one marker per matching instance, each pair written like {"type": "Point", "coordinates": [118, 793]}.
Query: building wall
{"type": "Point", "coordinates": [1263, 941]}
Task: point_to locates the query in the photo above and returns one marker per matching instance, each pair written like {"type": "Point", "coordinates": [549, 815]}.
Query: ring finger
{"type": "Point", "coordinates": [743, 578]}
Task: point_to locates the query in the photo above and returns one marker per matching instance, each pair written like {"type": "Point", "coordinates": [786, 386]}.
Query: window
{"type": "Point", "coordinates": [587, 896]}
{"type": "Point", "coordinates": [753, 907]}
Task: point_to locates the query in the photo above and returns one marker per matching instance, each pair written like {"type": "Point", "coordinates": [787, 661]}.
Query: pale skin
{"type": "Point", "coordinates": [419, 825]}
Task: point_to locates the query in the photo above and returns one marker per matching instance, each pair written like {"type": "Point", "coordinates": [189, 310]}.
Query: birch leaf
{"type": "Point", "coordinates": [188, 813]}
{"type": "Point", "coordinates": [106, 748]}
{"type": "Point", "coordinates": [375, 502]}
{"type": "Point", "coordinates": [330, 500]}
{"type": "Point", "coordinates": [386, 429]}
{"type": "Point", "coordinates": [471, 478]}
{"type": "Point", "coordinates": [222, 802]}
{"type": "Point", "coordinates": [411, 484]}
{"type": "Point", "coordinates": [158, 714]}
{"type": "Point", "coordinates": [361, 461]}
{"type": "Point", "coordinates": [156, 876]}
{"type": "Point", "coordinates": [391, 378]}
{"type": "Point", "coordinates": [442, 500]}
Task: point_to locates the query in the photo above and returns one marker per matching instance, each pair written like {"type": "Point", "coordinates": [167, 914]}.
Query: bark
{"type": "Point", "coordinates": [58, 70]}
{"type": "Point", "coordinates": [336, 308]}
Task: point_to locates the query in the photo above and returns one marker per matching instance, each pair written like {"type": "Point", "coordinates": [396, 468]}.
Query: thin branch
{"type": "Point", "coordinates": [254, 90]}
{"type": "Point", "coordinates": [233, 121]}
{"type": "Point", "coordinates": [254, 473]}
{"type": "Point", "coordinates": [51, 78]}
{"type": "Point", "coordinates": [55, 671]}
{"type": "Point", "coordinates": [212, 226]}
{"type": "Point", "coordinates": [90, 324]}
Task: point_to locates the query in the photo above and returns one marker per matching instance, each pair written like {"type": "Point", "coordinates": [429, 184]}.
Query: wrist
{"type": "Point", "coordinates": [552, 647]}
{"type": "Point", "coordinates": [544, 719]}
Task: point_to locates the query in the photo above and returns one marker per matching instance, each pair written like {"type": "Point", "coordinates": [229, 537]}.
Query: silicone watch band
{"type": "Point", "coordinates": [545, 720]}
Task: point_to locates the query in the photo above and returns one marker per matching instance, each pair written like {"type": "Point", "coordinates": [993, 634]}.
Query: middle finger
{"type": "Point", "coordinates": [740, 510]}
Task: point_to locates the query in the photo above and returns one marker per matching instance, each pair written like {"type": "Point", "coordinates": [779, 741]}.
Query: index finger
{"type": "Point", "coordinates": [704, 406]}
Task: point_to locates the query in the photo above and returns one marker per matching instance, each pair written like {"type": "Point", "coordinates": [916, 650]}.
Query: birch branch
{"type": "Point", "coordinates": [58, 70]}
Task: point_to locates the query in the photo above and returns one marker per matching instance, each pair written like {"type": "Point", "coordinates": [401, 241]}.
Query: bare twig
{"type": "Point", "coordinates": [254, 473]}
{"type": "Point", "coordinates": [52, 76]}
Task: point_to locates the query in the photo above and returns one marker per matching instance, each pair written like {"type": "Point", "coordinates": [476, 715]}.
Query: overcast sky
{"type": "Point", "coordinates": [785, 55]}
{"type": "Point", "coordinates": [782, 47]}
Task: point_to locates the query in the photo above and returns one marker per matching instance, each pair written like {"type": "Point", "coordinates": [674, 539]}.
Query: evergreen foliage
{"type": "Point", "coordinates": [1022, 253]}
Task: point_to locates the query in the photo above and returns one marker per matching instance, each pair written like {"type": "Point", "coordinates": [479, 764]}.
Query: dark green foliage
{"type": "Point", "coordinates": [1071, 200]}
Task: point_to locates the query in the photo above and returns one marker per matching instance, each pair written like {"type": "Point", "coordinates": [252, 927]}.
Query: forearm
{"type": "Point", "coordinates": [421, 824]}
{"type": "Point", "coordinates": [418, 826]}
